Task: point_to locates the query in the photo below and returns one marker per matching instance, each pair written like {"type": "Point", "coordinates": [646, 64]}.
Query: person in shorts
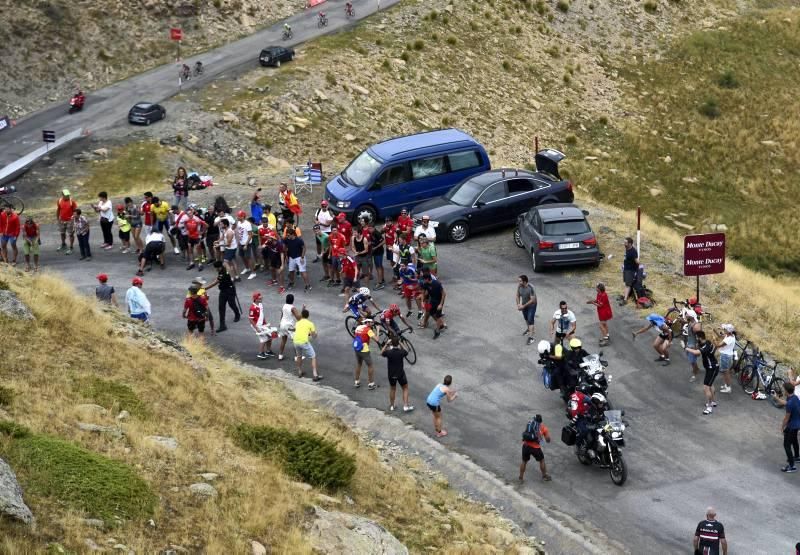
{"type": "Point", "coordinates": [349, 273]}
{"type": "Point", "coordinates": [727, 348]}
{"type": "Point", "coordinates": [630, 266]}
{"type": "Point", "coordinates": [30, 243]}
{"type": "Point", "coordinates": [304, 330]}
{"type": "Point", "coordinates": [195, 311]}
{"type": "Point", "coordinates": [395, 361]}
{"type": "Point", "coordinates": [531, 447]}
{"type": "Point", "coordinates": [9, 235]}
{"type": "Point", "coordinates": [363, 335]}
{"type": "Point", "coordinates": [526, 304]}
{"type": "Point", "coordinates": [563, 324]}
{"type": "Point", "coordinates": [273, 253]}
{"type": "Point", "coordinates": [338, 250]}
{"type": "Point", "coordinates": [296, 258]}
{"type": "Point", "coordinates": [434, 402]}
{"type": "Point", "coordinates": [707, 350]}
{"type": "Point", "coordinates": [154, 245]}
{"type": "Point", "coordinates": [258, 321]}
{"type": "Point", "coordinates": [664, 338]}
{"type": "Point", "coordinates": [65, 210]}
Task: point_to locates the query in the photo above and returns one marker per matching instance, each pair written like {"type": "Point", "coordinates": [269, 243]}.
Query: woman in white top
{"type": "Point", "coordinates": [106, 212]}
{"type": "Point", "coordinates": [726, 351]}
{"type": "Point", "coordinates": [289, 316]}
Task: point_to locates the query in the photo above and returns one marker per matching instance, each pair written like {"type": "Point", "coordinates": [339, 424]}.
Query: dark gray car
{"type": "Point", "coordinates": [146, 113]}
{"type": "Point", "coordinates": [557, 235]}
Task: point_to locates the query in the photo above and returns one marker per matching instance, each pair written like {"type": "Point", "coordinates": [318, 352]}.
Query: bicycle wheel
{"type": "Point", "coordinates": [776, 394]}
{"type": "Point", "coordinates": [14, 202]}
{"type": "Point", "coordinates": [350, 324]}
{"type": "Point", "coordinates": [411, 357]}
{"type": "Point", "coordinates": [748, 379]}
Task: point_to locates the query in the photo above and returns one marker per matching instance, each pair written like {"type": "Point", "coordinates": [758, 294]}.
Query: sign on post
{"type": "Point", "coordinates": [48, 136]}
{"type": "Point", "coordinates": [176, 33]}
{"type": "Point", "coordinates": [704, 254]}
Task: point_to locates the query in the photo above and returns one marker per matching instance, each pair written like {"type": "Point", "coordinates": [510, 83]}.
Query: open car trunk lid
{"type": "Point", "coordinates": [547, 161]}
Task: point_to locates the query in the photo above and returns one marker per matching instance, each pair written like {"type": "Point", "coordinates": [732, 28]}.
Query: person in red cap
{"type": "Point", "coordinates": [136, 301]}
{"type": "Point", "coordinates": [195, 311]}
{"type": "Point", "coordinates": [104, 292]}
{"type": "Point", "coordinates": [262, 328]}
{"type": "Point", "coordinates": [345, 227]}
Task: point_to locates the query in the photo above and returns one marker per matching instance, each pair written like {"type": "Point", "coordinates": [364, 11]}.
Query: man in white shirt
{"type": "Point", "coordinates": [563, 324]}
{"type": "Point", "coordinates": [726, 350]}
{"type": "Point", "coordinates": [323, 217]}
{"type": "Point", "coordinates": [244, 236]}
{"type": "Point", "coordinates": [425, 228]}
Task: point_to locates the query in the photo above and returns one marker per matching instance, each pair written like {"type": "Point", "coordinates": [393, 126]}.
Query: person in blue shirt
{"type": "Point", "coordinates": [357, 303]}
{"type": "Point", "coordinates": [434, 402]}
{"type": "Point", "coordinates": [663, 340]}
{"type": "Point", "coordinates": [136, 301]}
{"type": "Point", "coordinates": [790, 427]}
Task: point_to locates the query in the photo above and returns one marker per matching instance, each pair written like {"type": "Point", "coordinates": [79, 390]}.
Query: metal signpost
{"type": "Point", "coordinates": [48, 137]}
{"type": "Point", "coordinates": [176, 34]}
{"type": "Point", "coordinates": [703, 255]}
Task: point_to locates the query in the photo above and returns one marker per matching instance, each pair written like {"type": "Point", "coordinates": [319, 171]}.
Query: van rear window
{"type": "Point", "coordinates": [464, 160]}
{"type": "Point", "coordinates": [427, 167]}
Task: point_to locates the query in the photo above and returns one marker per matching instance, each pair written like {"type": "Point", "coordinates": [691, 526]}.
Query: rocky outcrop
{"type": "Point", "coordinates": [12, 307]}
{"type": "Point", "coordinates": [336, 532]}
{"type": "Point", "coordinates": [11, 503]}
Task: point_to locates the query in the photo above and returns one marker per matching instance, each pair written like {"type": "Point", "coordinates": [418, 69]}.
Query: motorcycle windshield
{"type": "Point", "coordinates": [614, 419]}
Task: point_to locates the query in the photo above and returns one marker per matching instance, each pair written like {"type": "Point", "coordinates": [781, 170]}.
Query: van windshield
{"type": "Point", "coordinates": [361, 170]}
{"type": "Point", "coordinates": [466, 193]}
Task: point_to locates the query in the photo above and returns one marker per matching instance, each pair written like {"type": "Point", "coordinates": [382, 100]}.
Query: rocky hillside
{"type": "Point", "coordinates": [51, 46]}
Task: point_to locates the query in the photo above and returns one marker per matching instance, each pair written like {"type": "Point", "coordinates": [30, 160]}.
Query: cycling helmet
{"type": "Point", "coordinates": [120, 208]}
{"type": "Point", "coordinates": [583, 388]}
{"type": "Point", "coordinates": [575, 343]}
{"type": "Point", "coordinates": [692, 301]}
{"type": "Point", "coordinates": [364, 291]}
{"type": "Point", "coordinates": [411, 267]}
{"type": "Point", "coordinates": [394, 308]}
{"type": "Point", "coordinates": [599, 397]}
{"type": "Point", "coordinates": [543, 347]}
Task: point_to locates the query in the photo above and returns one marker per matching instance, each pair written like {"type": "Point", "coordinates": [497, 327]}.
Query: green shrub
{"type": "Point", "coordinates": [386, 64]}
{"type": "Point", "coordinates": [112, 394]}
{"type": "Point", "coordinates": [562, 6]}
{"type": "Point", "coordinates": [419, 44]}
{"type": "Point", "coordinates": [710, 108]}
{"type": "Point", "coordinates": [13, 430]}
{"type": "Point", "coordinates": [305, 455]}
{"type": "Point", "coordinates": [80, 479]}
{"type": "Point", "coordinates": [506, 65]}
{"type": "Point", "coordinates": [6, 396]}
{"type": "Point", "coordinates": [571, 140]}
{"type": "Point", "coordinates": [602, 120]}
{"type": "Point", "coordinates": [728, 80]}
{"type": "Point", "coordinates": [417, 103]}
{"type": "Point", "coordinates": [541, 7]}
{"type": "Point", "coordinates": [330, 78]}
{"type": "Point", "coordinates": [650, 6]}
{"type": "Point", "coordinates": [452, 40]}
{"type": "Point", "coordinates": [405, 57]}
{"type": "Point", "coordinates": [4, 285]}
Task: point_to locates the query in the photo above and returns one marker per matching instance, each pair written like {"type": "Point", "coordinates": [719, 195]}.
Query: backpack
{"type": "Point", "coordinates": [199, 309]}
{"type": "Point", "coordinates": [358, 343]}
{"type": "Point", "coordinates": [531, 432]}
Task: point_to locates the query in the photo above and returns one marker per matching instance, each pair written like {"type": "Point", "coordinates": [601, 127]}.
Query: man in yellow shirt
{"type": "Point", "coordinates": [304, 330]}
{"type": "Point", "coordinates": [160, 209]}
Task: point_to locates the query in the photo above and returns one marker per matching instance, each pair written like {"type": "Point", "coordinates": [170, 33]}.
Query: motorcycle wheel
{"type": "Point", "coordinates": [618, 470]}
{"type": "Point", "coordinates": [582, 456]}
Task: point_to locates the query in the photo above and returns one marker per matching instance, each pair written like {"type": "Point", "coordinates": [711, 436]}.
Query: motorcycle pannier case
{"type": "Point", "coordinates": [568, 434]}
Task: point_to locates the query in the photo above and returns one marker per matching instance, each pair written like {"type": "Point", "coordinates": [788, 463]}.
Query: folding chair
{"type": "Point", "coordinates": [305, 176]}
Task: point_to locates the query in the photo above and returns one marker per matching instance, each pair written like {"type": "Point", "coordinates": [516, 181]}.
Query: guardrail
{"type": "Point", "coordinates": [13, 169]}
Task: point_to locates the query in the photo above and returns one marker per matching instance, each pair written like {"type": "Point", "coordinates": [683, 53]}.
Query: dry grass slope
{"type": "Point", "coordinates": [76, 353]}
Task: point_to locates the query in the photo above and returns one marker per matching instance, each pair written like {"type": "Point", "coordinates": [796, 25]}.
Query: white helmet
{"type": "Point", "coordinates": [543, 347]}
{"type": "Point", "coordinates": [364, 291]}
{"type": "Point", "coordinates": [599, 397]}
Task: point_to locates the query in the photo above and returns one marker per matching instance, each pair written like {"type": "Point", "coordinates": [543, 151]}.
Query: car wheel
{"type": "Point", "coordinates": [536, 264]}
{"type": "Point", "coordinates": [365, 212]}
{"type": "Point", "coordinates": [518, 238]}
{"type": "Point", "coordinates": [291, 56]}
{"type": "Point", "coordinates": [277, 63]}
{"type": "Point", "coordinates": [147, 121]}
{"type": "Point", "coordinates": [163, 114]}
{"type": "Point", "coordinates": [458, 232]}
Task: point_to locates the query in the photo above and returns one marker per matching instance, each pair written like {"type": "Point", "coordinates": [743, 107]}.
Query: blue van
{"type": "Point", "coordinates": [403, 172]}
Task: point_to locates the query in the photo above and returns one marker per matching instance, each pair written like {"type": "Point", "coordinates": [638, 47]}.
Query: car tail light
{"type": "Point", "coordinates": [590, 242]}
{"type": "Point", "coordinates": [546, 245]}
{"type": "Point", "coordinates": [569, 186]}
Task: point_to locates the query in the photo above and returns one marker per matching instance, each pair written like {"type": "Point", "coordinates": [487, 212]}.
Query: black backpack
{"type": "Point", "coordinates": [531, 432]}
{"type": "Point", "coordinates": [198, 307]}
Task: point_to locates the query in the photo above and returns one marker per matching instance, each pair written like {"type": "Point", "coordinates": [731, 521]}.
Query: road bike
{"type": "Point", "coordinates": [322, 20]}
{"type": "Point", "coordinates": [287, 34]}
{"type": "Point", "coordinates": [349, 10]}
{"type": "Point", "coordinates": [383, 335]}
{"type": "Point", "coordinates": [759, 375]}
{"type": "Point", "coordinates": [743, 355]}
{"type": "Point", "coordinates": [7, 199]}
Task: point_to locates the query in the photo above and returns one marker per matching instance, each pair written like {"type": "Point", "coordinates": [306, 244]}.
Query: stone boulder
{"type": "Point", "coordinates": [336, 532]}
{"type": "Point", "coordinates": [12, 307]}
{"type": "Point", "coordinates": [11, 502]}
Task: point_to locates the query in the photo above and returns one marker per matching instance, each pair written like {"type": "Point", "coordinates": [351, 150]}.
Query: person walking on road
{"type": "Point", "coordinates": [603, 312]}
{"type": "Point", "coordinates": [435, 296]}
{"type": "Point", "coordinates": [563, 323]}
{"type": "Point", "coordinates": [434, 402]}
{"type": "Point", "coordinates": [65, 209]}
{"type": "Point", "coordinates": [105, 210]}
{"type": "Point", "coordinates": [710, 535]}
{"type": "Point", "coordinates": [664, 338]}
{"type": "Point", "coordinates": [195, 311]}
{"type": "Point", "coordinates": [532, 437]}
{"type": "Point", "coordinates": [31, 239]}
{"type": "Point", "coordinates": [707, 350]}
{"type": "Point", "coordinates": [262, 329]}
{"type": "Point", "coordinates": [395, 362]}
{"type": "Point", "coordinates": [9, 235]}
{"type": "Point", "coordinates": [363, 335]}
{"type": "Point", "coordinates": [790, 427]}
{"type": "Point", "coordinates": [227, 295]}
{"type": "Point", "coordinates": [630, 266]}
{"type": "Point", "coordinates": [136, 301]}
{"type": "Point", "coordinates": [526, 303]}
{"type": "Point", "coordinates": [289, 317]}
{"type": "Point", "coordinates": [104, 292]}
{"type": "Point", "coordinates": [304, 330]}
{"type": "Point", "coordinates": [81, 226]}
{"type": "Point", "coordinates": [296, 258]}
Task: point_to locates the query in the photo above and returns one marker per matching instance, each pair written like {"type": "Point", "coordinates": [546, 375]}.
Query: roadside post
{"type": "Point", "coordinates": [639, 230]}
{"type": "Point", "coordinates": [48, 137]}
{"type": "Point", "coordinates": [703, 255]}
{"type": "Point", "coordinates": [176, 34]}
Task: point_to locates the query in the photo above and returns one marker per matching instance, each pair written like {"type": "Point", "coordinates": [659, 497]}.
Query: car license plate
{"type": "Point", "coordinates": [563, 246]}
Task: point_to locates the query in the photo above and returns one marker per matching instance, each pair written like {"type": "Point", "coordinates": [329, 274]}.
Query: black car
{"type": "Point", "coordinates": [495, 198]}
{"type": "Point", "coordinates": [146, 113]}
{"type": "Point", "coordinates": [274, 55]}
{"type": "Point", "coordinates": [557, 235]}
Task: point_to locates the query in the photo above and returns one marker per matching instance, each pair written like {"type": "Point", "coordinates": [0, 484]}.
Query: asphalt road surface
{"type": "Point", "coordinates": [679, 461]}
{"type": "Point", "coordinates": [109, 106]}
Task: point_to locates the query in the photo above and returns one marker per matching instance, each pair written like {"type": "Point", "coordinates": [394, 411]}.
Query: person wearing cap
{"type": "Point", "coordinates": [136, 301]}
{"type": "Point", "coordinates": [195, 311]}
{"type": "Point", "coordinates": [726, 350]}
{"type": "Point", "coordinates": [290, 206]}
{"type": "Point", "coordinates": [65, 210]}
{"type": "Point", "coordinates": [30, 243]}
{"type": "Point", "coordinates": [104, 292]}
{"type": "Point", "coordinates": [535, 431]}
{"type": "Point", "coordinates": [344, 227]}
{"type": "Point", "coordinates": [337, 252]}
{"type": "Point", "coordinates": [363, 335]}
{"type": "Point", "coordinates": [9, 236]}
{"type": "Point", "coordinates": [124, 229]}
{"type": "Point", "coordinates": [258, 322]}
{"type": "Point", "coordinates": [425, 229]}
{"type": "Point", "coordinates": [200, 284]}
{"type": "Point", "coordinates": [105, 210]}
{"type": "Point", "coordinates": [81, 225]}
{"type": "Point", "coordinates": [405, 226]}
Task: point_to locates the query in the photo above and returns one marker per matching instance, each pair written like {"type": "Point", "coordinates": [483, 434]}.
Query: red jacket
{"type": "Point", "coordinates": [11, 227]}
{"type": "Point", "coordinates": [579, 404]}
